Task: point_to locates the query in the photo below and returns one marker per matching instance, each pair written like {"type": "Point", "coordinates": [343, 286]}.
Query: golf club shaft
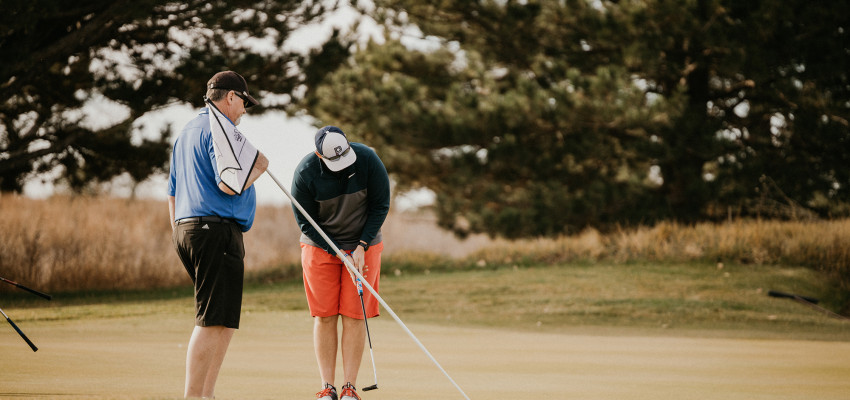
{"type": "Point", "coordinates": [35, 292]}
{"type": "Point", "coordinates": [369, 287]}
{"type": "Point", "coordinates": [368, 336]}
{"type": "Point", "coordinates": [32, 346]}
{"type": "Point", "coordinates": [774, 293]}
{"type": "Point", "coordinates": [807, 301]}
{"type": "Point", "coordinates": [804, 301]}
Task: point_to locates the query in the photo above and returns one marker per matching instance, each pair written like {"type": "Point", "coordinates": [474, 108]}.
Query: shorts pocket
{"type": "Point", "coordinates": [235, 247]}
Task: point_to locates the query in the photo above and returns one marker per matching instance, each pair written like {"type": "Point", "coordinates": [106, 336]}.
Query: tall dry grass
{"type": "Point", "coordinates": [76, 243]}
{"type": "Point", "coordinates": [821, 245]}
{"type": "Point", "coordinates": [79, 243]}
{"type": "Point", "coordinates": [70, 243]}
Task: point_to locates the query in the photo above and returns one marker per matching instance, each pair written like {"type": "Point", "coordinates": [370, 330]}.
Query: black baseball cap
{"type": "Point", "coordinates": [229, 80]}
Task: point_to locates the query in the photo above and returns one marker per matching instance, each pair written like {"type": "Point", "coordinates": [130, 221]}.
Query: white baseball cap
{"type": "Point", "coordinates": [334, 149]}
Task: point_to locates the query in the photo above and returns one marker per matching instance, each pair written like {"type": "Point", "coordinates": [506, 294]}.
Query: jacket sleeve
{"type": "Point", "coordinates": [306, 198]}
{"type": "Point", "coordinates": [378, 202]}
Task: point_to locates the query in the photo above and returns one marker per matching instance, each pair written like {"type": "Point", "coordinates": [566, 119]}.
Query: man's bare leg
{"type": "Point", "coordinates": [207, 348]}
{"type": "Point", "coordinates": [353, 342]}
{"type": "Point", "coordinates": [325, 341]}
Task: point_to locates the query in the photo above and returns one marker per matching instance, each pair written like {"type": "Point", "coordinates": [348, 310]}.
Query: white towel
{"type": "Point", "coordinates": [234, 154]}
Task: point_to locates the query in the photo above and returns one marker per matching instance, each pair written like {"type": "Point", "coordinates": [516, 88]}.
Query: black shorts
{"type": "Point", "coordinates": [213, 255]}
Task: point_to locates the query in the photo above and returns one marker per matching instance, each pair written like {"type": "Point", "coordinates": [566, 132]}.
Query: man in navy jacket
{"type": "Point", "coordinates": [345, 188]}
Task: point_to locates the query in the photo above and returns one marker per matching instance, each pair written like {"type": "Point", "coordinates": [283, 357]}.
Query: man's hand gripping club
{"type": "Point", "coordinates": [358, 258]}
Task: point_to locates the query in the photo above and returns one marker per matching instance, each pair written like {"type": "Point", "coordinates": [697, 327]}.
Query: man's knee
{"type": "Point", "coordinates": [349, 321]}
{"type": "Point", "coordinates": [327, 320]}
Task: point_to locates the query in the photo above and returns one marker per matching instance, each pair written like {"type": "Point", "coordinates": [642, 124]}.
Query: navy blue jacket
{"type": "Point", "coordinates": [350, 205]}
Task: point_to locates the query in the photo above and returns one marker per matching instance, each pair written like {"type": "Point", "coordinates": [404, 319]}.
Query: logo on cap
{"type": "Point", "coordinates": [333, 148]}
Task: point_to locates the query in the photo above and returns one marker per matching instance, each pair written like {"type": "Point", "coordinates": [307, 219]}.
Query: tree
{"type": "Point", "coordinates": [141, 54]}
{"type": "Point", "coordinates": [539, 118]}
{"type": "Point", "coordinates": [518, 127]}
{"type": "Point", "coordinates": [766, 104]}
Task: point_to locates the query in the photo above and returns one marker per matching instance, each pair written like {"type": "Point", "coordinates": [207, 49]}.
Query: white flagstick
{"type": "Point", "coordinates": [351, 268]}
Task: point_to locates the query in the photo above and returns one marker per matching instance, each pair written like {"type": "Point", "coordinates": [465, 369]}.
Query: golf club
{"type": "Point", "coordinates": [369, 287]}
{"type": "Point", "coordinates": [368, 336]}
{"type": "Point", "coordinates": [32, 346]}
{"type": "Point", "coordinates": [35, 292]}
{"type": "Point", "coordinates": [774, 293]}
{"type": "Point", "coordinates": [807, 301]}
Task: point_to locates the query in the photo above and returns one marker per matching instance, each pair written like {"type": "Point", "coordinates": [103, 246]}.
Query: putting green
{"type": "Point", "coordinates": [271, 357]}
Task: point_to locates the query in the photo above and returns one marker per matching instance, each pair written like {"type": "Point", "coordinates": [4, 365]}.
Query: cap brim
{"type": "Point", "coordinates": [252, 101]}
{"type": "Point", "coordinates": [342, 162]}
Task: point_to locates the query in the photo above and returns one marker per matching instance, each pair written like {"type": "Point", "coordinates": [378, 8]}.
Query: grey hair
{"type": "Point", "coordinates": [216, 94]}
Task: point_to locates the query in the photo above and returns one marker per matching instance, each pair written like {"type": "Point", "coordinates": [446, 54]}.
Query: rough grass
{"type": "Point", "coordinates": [83, 243]}
{"type": "Point", "coordinates": [670, 297]}
{"type": "Point", "coordinates": [667, 299]}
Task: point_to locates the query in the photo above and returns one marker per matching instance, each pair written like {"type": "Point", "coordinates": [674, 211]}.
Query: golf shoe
{"type": "Point", "coordinates": [327, 393]}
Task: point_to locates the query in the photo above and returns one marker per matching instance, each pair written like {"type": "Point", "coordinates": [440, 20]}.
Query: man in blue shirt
{"type": "Point", "coordinates": [208, 219]}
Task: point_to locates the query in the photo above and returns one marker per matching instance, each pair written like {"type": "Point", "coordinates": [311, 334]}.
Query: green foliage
{"type": "Point", "coordinates": [539, 118]}
{"type": "Point", "coordinates": [529, 118]}
{"type": "Point", "coordinates": [139, 54]}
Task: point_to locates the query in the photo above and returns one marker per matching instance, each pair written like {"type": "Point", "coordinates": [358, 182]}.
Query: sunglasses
{"type": "Point", "coordinates": [336, 157]}
{"type": "Point", "coordinates": [245, 101]}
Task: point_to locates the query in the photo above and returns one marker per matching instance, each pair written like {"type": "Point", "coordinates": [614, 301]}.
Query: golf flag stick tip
{"type": "Point", "coordinates": [369, 287]}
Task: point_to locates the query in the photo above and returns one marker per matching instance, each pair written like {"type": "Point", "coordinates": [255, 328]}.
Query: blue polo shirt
{"type": "Point", "coordinates": [193, 179]}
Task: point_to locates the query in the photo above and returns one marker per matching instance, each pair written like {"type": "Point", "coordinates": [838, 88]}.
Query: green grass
{"type": "Point", "coordinates": [681, 298]}
{"type": "Point", "coordinates": [677, 299]}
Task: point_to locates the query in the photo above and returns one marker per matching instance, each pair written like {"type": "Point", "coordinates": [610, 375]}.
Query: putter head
{"type": "Point", "coordinates": [368, 388]}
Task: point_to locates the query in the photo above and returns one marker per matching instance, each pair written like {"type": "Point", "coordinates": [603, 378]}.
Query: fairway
{"type": "Point", "coordinates": [271, 357]}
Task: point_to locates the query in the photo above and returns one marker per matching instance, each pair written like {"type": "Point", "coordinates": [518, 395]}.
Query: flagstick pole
{"type": "Point", "coordinates": [369, 287]}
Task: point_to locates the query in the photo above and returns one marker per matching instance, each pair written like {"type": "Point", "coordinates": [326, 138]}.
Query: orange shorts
{"type": "Point", "coordinates": [330, 290]}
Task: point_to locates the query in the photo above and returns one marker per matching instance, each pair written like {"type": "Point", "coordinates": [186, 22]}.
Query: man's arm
{"type": "Point", "coordinates": [378, 201]}
{"type": "Point", "coordinates": [260, 166]}
{"type": "Point", "coordinates": [171, 210]}
{"type": "Point", "coordinates": [306, 198]}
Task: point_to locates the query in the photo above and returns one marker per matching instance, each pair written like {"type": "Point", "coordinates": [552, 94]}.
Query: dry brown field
{"type": "Point", "coordinates": [81, 243]}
